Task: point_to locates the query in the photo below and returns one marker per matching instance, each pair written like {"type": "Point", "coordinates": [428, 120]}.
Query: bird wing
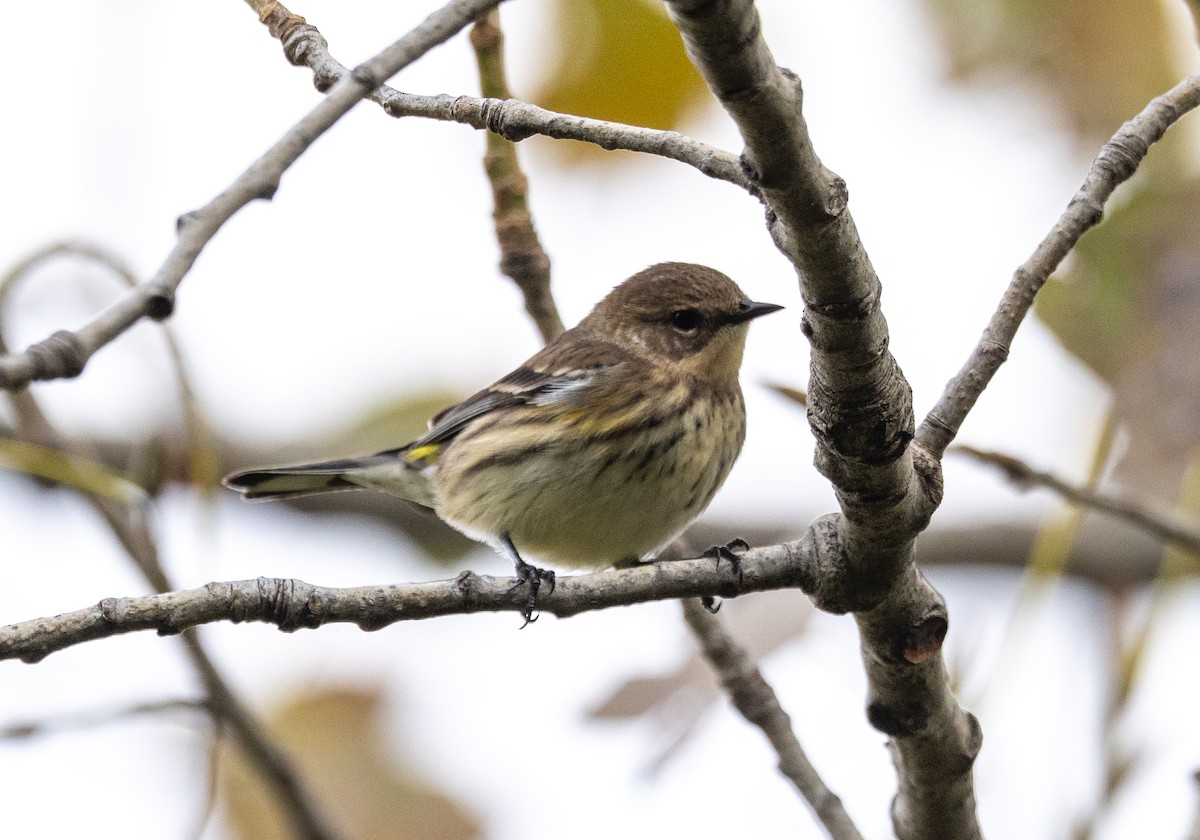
{"type": "Point", "coordinates": [560, 374]}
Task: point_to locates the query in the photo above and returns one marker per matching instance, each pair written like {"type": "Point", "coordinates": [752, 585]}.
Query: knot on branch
{"type": "Point", "coordinates": [284, 602]}
{"type": "Point", "coordinates": [831, 585]}
{"type": "Point", "coordinates": [160, 303]}
{"type": "Point", "coordinates": [494, 115]}
{"type": "Point", "coordinates": [59, 356]}
{"type": "Point", "coordinates": [366, 75]}
{"type": "Point", "coordinates": [1122, 154]}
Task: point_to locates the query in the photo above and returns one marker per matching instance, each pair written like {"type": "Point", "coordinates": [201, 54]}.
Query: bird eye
{"type": "Point", "coordinates": [686, 320]}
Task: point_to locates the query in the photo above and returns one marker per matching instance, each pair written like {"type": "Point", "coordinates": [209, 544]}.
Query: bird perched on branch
{"type": "Point", "coordinates": [598, 450]}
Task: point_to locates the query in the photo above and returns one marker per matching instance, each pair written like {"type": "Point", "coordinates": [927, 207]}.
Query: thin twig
{"type": "Point", "coordinates": [129, 523]}
{"type": "Point", "coordinates": [65, 353]}
{"type": "Point", "coordinates": [304, 46]}
{"type": "Point", "coordinates": [1115, 164]}
{"type": "Point", "coordinates": [97, 717]}
{"type": "Point", "coordinates": [1165, 526]}
{"type": "Point", "coordinates": [522, 257]}
{"type": "Point", "coordinates": [754, 698]}
{"type": "Point", "coordinates": [293, 604]}
{"type": "Point", "coordinates": [1194, 834]}
{"type": "Point", "coordinates": [202, 461]}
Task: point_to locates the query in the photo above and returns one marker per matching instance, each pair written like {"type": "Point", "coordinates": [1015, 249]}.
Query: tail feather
{"type": "Point", "coordinates": [287, 482]}
{"type": "Point", "coordinates": [386, 471]}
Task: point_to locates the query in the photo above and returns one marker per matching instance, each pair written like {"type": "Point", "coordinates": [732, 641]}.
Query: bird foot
{"type": "Point", "coordinates": [731, 551]}
{"type": "Point", "coordinates": [527, 574]}
{"type": "Point", "coordinates": [535, 577]}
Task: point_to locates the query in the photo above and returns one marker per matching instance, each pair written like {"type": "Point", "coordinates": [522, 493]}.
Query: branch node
{"type": "Point", "coordinates": [60, 355]}
{"type": "Point", "coordinates": [889, 721]}
{"type": "Point", "coordinates": [160, 304]}
{"type": "Point", "coordinates": [924, 639]}
{"type": "Point", "coordinates": [365, 75]}
{"type": "Point", "coordinates": [467, 583]}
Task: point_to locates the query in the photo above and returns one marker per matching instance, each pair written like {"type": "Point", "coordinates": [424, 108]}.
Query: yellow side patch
{"type": "Point", "coordinates": [427, 453]}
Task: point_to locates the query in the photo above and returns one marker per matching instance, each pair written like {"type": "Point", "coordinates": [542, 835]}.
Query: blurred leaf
{"type": "Point", "coordinates": [69, 470]}
{"type": "Point", "coordinates": [1126, 306]}
{"type": "Point", "coordinates": [396, 422]}
{"type": "Point", "coordinates": [336, 738]}
{"type": "Point", "coordinates": [619, 60]}
{"type": "Point", "coordinates": [676, 701]}
{"type": "Point", "coordinates": [1100, 60]}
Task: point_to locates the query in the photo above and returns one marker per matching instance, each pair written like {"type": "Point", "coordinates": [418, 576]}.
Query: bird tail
{"type": "Point", "coordinates": [388, 471]}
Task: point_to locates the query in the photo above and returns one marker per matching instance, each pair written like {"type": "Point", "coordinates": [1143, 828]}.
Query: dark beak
{"type": "Point", "coordinates": [749, 309]}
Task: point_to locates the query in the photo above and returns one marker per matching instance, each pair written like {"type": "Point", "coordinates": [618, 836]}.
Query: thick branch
{"type": "Point", "coordinates": [860, 410]}
{"type": "Point", "coordinates": [304, 46]}
{"type": "Point", "coordinates": [1115, 164]}
{"type": "Point", "coordinates": [294, 604]}
{"type": "Point", "coordinates": [754, 698]}
{"type": "Point", "coordinates": [860, 406]}
{"type": "Point", "coordinates": [64, 354]}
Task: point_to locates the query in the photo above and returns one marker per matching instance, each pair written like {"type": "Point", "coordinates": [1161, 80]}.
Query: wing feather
{"type": "Point", "coordinates": [561, 373]}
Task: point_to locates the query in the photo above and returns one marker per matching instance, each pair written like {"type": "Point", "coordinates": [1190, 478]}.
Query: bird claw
{"type": "Point", "coordinates": [527, 574]}
{"type": "Point", "coordinates": [732, 552]}
{"type": "Point", "coordinates": [535, 577]}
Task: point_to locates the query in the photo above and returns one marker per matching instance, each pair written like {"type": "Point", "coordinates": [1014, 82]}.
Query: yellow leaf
{"type": "Point", "coordinates": [69, 470]}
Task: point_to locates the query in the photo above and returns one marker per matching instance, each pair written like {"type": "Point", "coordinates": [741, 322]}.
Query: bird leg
{"type": "Point", "coordinates": [732, 552]}
{"type": "Point", "coordinates": [527, 573]}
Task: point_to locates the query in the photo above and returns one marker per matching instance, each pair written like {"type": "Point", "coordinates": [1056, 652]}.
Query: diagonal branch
{"type": "Point", "coordinates": [129, 524]}
{"type": "Point", "coordinates": [1170, 529]}
{"type": "Point", "coordinates": [1115, 164]}
{"type": "Point", "coordinates": [304, 46]}
{"type": "Point", "coordinates": [64, 354]}
{"type": "Point", "coordinates": [756, 701]}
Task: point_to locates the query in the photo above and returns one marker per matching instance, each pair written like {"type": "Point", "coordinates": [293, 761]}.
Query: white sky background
{"type": "Point", "coordinates": [372, 274]}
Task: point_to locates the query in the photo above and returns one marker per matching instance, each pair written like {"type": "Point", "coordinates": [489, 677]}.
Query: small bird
{"type": "Point", "coordinates": [597, 451]}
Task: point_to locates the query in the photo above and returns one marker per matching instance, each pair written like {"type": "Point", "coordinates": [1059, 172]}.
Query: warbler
{"type": "Point", "coordinates": [598, 450]}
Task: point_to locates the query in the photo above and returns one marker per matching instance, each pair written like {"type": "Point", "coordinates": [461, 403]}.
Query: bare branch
{"type": "Point", "coordinates": [304, 46]}
{"type": "Point", "coordinates": [96, 717]}
{"type": "Point", "coordinates": [64, 354]}
{"type": "Point", "coordinates": [1115, 164]}
{"type": "Point", "coordinates": [293, 604]}
{"type": "Point", "coordinates": [860, 411]}
{"type": "Point", "coordinates": [129, 524]}
{"type": "Point", "coordinates": [756, 701]}
{"type": "Point", "coordinates": [1194, 834]}
{"type": "Point", "coordinates": [1168, 528]}
{"type": "Point", "coordinates": [522, 257]}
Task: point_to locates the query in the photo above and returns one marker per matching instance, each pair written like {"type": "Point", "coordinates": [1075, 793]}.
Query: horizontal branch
{"type": "Point", "coordinates": [293, 604]}
{"type": "Point", "coordinates": [1115, 165]}
{"type": "Point", "coordinates": [305, 46]}
{"type": "Point", "coordinates": [64, 354]}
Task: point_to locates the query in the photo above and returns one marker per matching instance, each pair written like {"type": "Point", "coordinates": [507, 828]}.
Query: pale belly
{"type": "Point", "coordinates": [573, 506]}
